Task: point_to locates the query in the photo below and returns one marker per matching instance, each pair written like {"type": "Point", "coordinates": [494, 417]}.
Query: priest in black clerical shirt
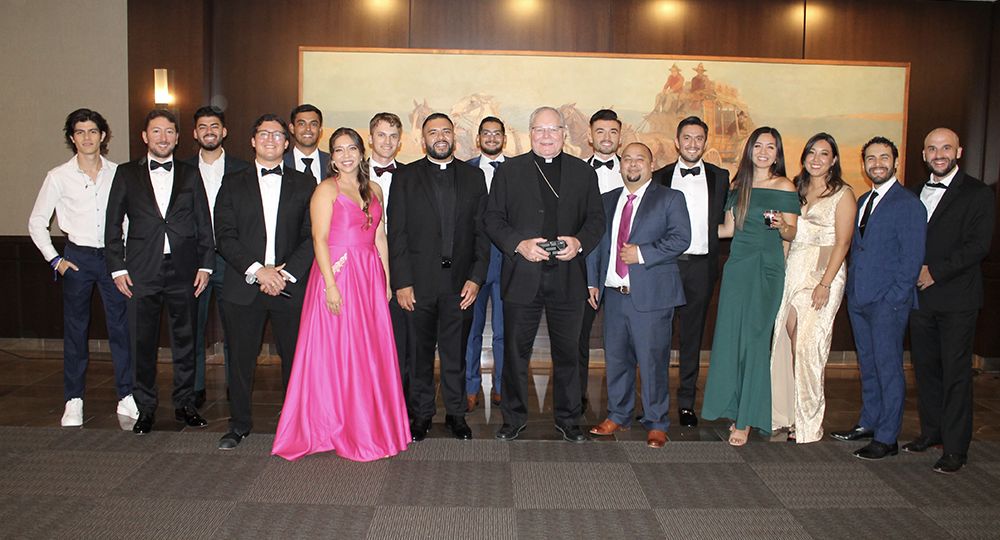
{"type": "Point", "coordinates": [541, 196]}
{"type": "Point", "coordinates": [438, 258]}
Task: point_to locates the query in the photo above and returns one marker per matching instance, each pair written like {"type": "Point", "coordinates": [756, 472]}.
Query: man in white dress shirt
{"type": "Point", "coordinates": [605, 137]}
{"type": "Point", "coordinates": [77, 191]}
{"type": "Point", "coordinates": [306, 124]}
{"type": "Point", "coordinates": [213, 163]}
{"type": "Point", "coordinates": [490, 139]}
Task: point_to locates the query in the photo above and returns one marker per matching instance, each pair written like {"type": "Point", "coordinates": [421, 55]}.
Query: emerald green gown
{"type": "Point", "coordinates": [739, 373]}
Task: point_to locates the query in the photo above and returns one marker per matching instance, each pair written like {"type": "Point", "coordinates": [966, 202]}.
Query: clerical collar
{"type": "Point", "coordinates": [441, 166]}
{"type": "Point", "coordinates": [545, 159]}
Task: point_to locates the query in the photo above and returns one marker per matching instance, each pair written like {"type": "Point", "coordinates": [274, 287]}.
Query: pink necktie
{"type": "Point", "coordinates": [623, 231]}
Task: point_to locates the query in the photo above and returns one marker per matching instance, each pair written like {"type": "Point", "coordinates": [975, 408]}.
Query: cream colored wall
{"type": "Point", "coordinates": [55, 56]}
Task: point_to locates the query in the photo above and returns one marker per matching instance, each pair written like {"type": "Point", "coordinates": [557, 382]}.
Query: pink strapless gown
{"type": "Point", "coordinates": [345, 391]}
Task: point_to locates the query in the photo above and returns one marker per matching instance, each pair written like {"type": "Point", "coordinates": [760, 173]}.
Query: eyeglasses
{"type": "Point", "coordinates": [546, 130]}
{"type": "Point", "coordinates": [273, 135]}
{"type": "Point", "coordinates": [491, 133]}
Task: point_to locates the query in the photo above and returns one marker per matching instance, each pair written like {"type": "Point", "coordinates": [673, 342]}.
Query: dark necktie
{"type": "Point", "coordinates": [308, 161]}
{"type": "Point", "coordinates": [598, 164]}
{"type": "Point", "coordinates": [276, 170]}
{"type": "Point", "coordinates": [868, 213]}
{"type": "Point", "coordinates": [494, 164]}
{"type": "Point", "coordinates": [935, 185]}
{"type": "Point", "coordinates": [693, 171]}
{"type": "Point", "coordinates": [379, 171]}
{"type": "Point", "coordinates": [153, 165]}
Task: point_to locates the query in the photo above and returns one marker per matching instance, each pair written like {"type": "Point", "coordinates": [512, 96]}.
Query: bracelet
{"type": "Point", "coordinates": [825, 286]}
{"type": "Point", "coordinates": [54, 263]}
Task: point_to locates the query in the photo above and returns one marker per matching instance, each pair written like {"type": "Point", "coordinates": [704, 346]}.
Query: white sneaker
{"type": "Point", "coordinates": [126, 407]}
{"type": "Point", "coordinates": [73, 416]}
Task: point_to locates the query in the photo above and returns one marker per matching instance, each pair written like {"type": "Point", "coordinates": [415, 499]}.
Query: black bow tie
{"type": "Point", "coordinates": [494, 164]}
{"type": "Point", "coordinates": [379, 171]}
{"type": "Point", "coordinates": [693, 171]}
{"type": "Point", "coordinates": [936, 185]}
{"type": "Point", "coordinates": [598, 164]}
{"type": "Point", "coordinates": [276, 170]}
{"type": "Point", "coordinates": [153, 165]}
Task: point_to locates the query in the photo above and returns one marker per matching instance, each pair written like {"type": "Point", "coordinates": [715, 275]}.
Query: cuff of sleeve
{"type": "Point", "coordinates": [288, 276]}
{"type": "Point", "coordinates": [119, 274]}
{"type": "Point", "coordinates": [208, 270]}
{"type": "Point", "coordinates": [638, 252]}
{"type": "Point", "coordinates": [251, 272]}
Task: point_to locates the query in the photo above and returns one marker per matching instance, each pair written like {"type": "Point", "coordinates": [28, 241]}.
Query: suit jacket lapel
{"type": "Point", "coordinates": [147, 183]}
{"type": "Point", "coordinates": [948, 197]}
{"type": "Point", "coordinates": [668, 174]}
{"type": "Point", "coordinates": [424, 178]}
{"type": "Point", "coordinates": [256, 200]}
{"type": "Point", "coordinates": [284, 201]}
{"type": "Point", "coordinates": [711, 180]}
{"type": "Point", "coordinates": [642, 211]}
{"type": "Point", "coordinates": [175, 187]}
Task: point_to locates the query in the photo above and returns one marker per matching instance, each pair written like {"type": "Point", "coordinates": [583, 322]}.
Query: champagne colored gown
{"type": "Point", "coordinates": [345, 392]}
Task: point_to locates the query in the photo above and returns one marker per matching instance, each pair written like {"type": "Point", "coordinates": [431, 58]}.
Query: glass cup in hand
{"type": "Point", "coordinates": [769, 218]}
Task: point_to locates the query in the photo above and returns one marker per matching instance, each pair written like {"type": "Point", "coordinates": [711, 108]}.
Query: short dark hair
{"type": "Point", "coordinates": [503, 128]}
{"type": "Point", "coordinates": [605, 114]}
{"type": "Point", "coordinates": [269, 117]}
{"type": "Point", "coordinates": [691, 121]}
{"type": "Point", "coordinates": [881, 140]}
{"type": "Point", "coordinates": [389, 118]}
{"type": "Point", "coordinates": [160, 113]}
{"type": "Point", "coordinates": [435, 116]}
{"type": "Point", "coordinates": [305, 107]}
{"type": "Point", "coordinates": [210, 110]}
{"type": "Point", "coordinates": [86, 115]}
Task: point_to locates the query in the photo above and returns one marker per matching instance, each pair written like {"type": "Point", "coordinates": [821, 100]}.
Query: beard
{"type": "Point", "coordinates": [879, 181]}
{"type": "Point", "coordinates": [445, 154]}
{"type": "Point", "coordinates": [952, 163]}
{"type": "Point", "coordinates": [633, 178]}
{"type": "Point", "coordinates": [210, 146]}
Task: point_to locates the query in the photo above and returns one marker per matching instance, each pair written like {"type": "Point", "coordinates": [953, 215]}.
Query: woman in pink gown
{"type": "Point", "coordinates": [345, 392]}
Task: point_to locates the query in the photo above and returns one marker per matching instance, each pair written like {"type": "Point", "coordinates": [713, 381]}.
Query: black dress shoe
{"type": "Point", "coordinates": [688, 418]}
{"type": "Point", "coordinates": [144, 424]}
{"type": "Point", "coordinates": [419, 429]}
{"type": "Point", "coordinates": [854, 434]}
{"type": "Point", "coordinates": [920, 444]}
{"type": "Point", "coordinates": [231, 440]}
{"type": "Point", "coordinates": [509, 432]}
{"type": "Point", "coordinates": [199, 398]}
{"type": "Point", "coordinates": [950, 463]}
{"type": "Point", "coordinates": [876, 450]}
{"type": "Point", "coordinates": [572, 433]}
{"type": "Point", "coordinates": [189, 415]}
{"type": "Point", "coordinates": [458, 427]}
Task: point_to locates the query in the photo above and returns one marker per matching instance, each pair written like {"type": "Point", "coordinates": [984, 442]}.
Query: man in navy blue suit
{"type": "Point", "coordinates": [636, 265]}
{"type": "Point", "coordinates": [306, 124]}
{"type": "Point", "coordinates": [887, 252]}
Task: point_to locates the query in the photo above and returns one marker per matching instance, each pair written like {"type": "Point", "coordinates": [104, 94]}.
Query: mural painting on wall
{"type": "Point", "coordinates": [651, 94]}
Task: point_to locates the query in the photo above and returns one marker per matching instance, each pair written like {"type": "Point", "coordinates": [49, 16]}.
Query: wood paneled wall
{"type": "Point", "coordinates": [243, 54]}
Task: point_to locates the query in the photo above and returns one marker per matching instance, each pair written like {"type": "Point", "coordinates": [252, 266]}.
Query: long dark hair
{"type": "Point", "coordinates": [834, 177]}
{"type": "Point", "coordinates": [364, 182]}
{"type": "Point", "coordinates": [743, 181]}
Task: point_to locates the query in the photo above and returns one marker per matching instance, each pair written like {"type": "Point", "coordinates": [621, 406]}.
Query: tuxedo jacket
{"type": "Point", "coordinates": [415, 229]}
{"type": "Point", "coordinates": [885, 262]}
{"type": "Point", "coordinates": [232, 164]}
{"type": "Point", "coordinates": [958, 239]}
{"type": "Point", "coordinates": [324, 162]}
{"type": "Point", "coordinates": [718, 189]}
{"type": "Point", "coordinates": [242, 238]}
{"type": "Point", "coordinates": [515, 212]}
{"type": "Point", "coordinates": [661, 229]}
{"type": "Point", "coordinates": [187, 225]}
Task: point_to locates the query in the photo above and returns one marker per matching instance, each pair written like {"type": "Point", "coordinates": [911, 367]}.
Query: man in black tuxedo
{"type": "Point", "coordinates": [544, 198]}
{"type": "Point", "coordinates": [213, 163]}
{"type": "Point", "coordinates": [263, 232]}
{"type": "Point", "coordinates": [960, 219]}
{"type": "Point", "coordinates": [167, 258]}
{"type": "Point", "coordinates": [438, 256]}
{"type": "Point", "coordinates": [705, 188]}
{"type": "Point", "coordinates": [306, 131]}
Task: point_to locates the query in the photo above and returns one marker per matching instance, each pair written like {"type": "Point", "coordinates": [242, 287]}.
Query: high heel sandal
{"type": "Point", "coordinates": [739, 437]}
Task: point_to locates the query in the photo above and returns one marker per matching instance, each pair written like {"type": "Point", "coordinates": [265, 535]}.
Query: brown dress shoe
{"type": "Point", "coordinates": [656, 438]}
{"type": "Point", "coordinates": [471, 401]}
{"type": "Point", "coordinates": [495, 398]}
{"type": "Point", "coordinates": [607, 427]}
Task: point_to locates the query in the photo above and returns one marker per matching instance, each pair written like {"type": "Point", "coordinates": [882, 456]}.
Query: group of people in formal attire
{"type": "Point", "coordinates": [369, 270]}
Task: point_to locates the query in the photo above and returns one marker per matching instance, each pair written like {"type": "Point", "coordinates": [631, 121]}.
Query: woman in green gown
{"type": "Point", "coordinates": [761, 212]}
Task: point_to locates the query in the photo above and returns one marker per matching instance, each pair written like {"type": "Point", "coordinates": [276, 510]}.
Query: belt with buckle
{"type": "Point", "coordinates": [689, 257]}
{"type": "Point", "coordinates": [623, 289]}
{"type": "Point", "coordinates": [445, 262]}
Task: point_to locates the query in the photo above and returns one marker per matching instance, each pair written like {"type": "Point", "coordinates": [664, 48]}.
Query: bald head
{"type": "Point", "coordinates": [941, 152]}
{"type": "Point", "coordinates": [637, 165]}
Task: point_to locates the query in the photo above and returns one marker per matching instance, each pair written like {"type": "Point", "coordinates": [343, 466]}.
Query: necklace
{"type": "Point", "coordinates": [552, 189]}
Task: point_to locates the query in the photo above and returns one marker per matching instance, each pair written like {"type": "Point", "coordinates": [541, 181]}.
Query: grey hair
{"type": "Point", "coordinates": [536, 112]}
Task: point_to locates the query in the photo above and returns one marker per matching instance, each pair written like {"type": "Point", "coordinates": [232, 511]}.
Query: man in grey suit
{"type": "Point", "coordinates": [636, 265]}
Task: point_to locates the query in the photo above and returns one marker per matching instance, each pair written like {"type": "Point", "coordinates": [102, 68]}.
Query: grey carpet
{"type": "Point", "coordinates": [104, 484]}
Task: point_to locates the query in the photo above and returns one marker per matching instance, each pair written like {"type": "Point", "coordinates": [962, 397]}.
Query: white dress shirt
{"type": "Point", "coordinates": [314, 166]}
{"type": "Point", "coordinates": [612, 279]}
{"type": "Point", "coordinates": [695, 190]}
{"type": "Point", "coordinates": [488, 170]}
{"type": "Point", "coordinates": [270, 194]}
{"type": "Point", "coordinates": [211, 176]}
{"type": "Point", "coordinates": [881, 190]}
{"type": "Point", "coordinates": [80, 205]}
{"type": "Point", "coordinates": [384, 182]}
{"type": "Point", "coordinates": [931, 197]}
{"type": "Point", "coordinates": [608, 179]}
{"type": "Point", "coordinates": [163, 185]}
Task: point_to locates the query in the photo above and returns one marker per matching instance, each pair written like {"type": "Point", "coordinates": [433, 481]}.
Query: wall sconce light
{"type": "Point", "coordinates": [162, 97]}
